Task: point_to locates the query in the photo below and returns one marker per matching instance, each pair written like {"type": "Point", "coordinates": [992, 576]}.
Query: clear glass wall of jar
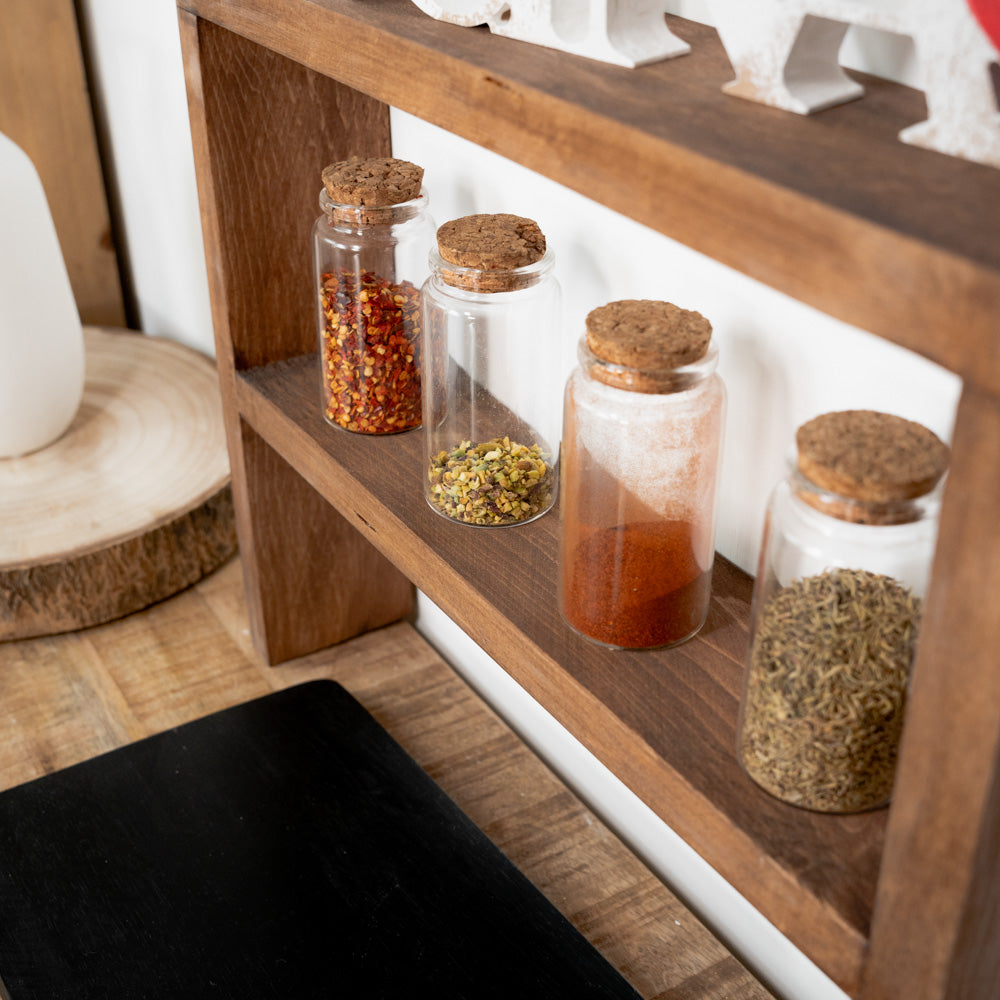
{"type": "Point", "coordinates": [641, 452]}
{"type": "Point", "coordinates": [836, 615]}
{"type": "Point", "coordinates": [370, 261]}
{"type": "Point", "coordinates": [491, 342]}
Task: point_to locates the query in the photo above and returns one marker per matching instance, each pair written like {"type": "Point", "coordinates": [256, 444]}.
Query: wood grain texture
{"type": "Point", "coordinates": [267, 147]}
{"type": "Point", "coordinates": [937, 915]}
{"type": "Point", "coordinates": [832, 210]}
{"type": "Point", "coordinates": [67, 698]}
{"type": "Point", "coordinates": [312, 579]}
{"type": "Point", "coordinates": [324, 581]}
{"type": "Point", "coordinates": [45, 108]}
{"type": "Point", "coordinates": [664, 721]}
{"type": "Point", "coordinates": [130, 505]}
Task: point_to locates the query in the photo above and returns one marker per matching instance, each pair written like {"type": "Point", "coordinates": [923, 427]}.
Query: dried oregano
{"type": "Point", "coordinates": [826, 688]}
{"type": "Point", "coordinates": [496, 482]}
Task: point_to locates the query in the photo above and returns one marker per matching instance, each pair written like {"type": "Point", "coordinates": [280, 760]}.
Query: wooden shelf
{"type": "Point", "coordinates": [832, 210]}
{"type": "Point", "coordinates": [664, 721]}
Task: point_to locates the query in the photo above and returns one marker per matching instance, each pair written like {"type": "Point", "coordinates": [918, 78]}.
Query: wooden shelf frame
{"type": "Point", "coordinates": [832, 210]}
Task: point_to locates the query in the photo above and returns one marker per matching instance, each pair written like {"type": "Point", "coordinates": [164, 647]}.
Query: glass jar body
{"type": "Point", "coordinates": [369, 264]}
{"type": "Point", "coordinates": [491, 421]}
{"type": "Point", "coordinates": [639, 496]}
{"type": "Point", "coordinates": [834, 625]}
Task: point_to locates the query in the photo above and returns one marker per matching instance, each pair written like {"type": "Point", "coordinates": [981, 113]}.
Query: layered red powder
{"type": "Point", "coordinates": [635, 586]}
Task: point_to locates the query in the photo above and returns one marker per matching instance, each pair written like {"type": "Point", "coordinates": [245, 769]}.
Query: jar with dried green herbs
{"type": "Point", "coordinates": [491, 315]}
{"type": "Point", "coordinates": [370, 259]}
{"type": "Point", "coordinates": [848, 542]}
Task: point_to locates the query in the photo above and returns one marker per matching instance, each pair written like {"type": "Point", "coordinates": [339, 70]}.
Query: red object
{"type": "Point", "coordinates": [636, 586]}
{"type": "Point", "coordinates": [988, 15]}
{"type": "Point", "coordinates": [371, 348]}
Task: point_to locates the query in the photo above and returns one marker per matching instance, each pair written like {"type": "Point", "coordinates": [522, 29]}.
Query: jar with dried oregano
{"type": "Point", "coordinates": [491, 314]}
{"type": "Point", "coordinates": [848, 542]}
{"type": "Point", "coordinates": [370, 259]}
{"type": "Point", "coordinates": [642, 442]}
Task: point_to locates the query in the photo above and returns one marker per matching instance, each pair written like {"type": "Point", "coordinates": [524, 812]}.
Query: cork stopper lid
{"type": "Point", "coordinates": [374, 182]}
{"type": "Point", "coordinates": [648, 338]}
{"type": "Point", "coordinates": [494, 244]}
{"type": "Point", "coordinates": [872, 457]}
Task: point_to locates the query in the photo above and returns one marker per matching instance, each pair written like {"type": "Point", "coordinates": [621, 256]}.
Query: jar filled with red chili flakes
{"type": "Point", "coordinates": [370, 258]}
{"type": "Point", "coordinates": [642, 440]}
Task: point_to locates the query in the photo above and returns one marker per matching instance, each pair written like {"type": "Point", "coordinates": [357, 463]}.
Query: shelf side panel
{"type": "Point", "coordinates": [315, 580]}
{"type": "Point", "coordinates": [272, 125]}
{"type": "Point", "coordinates": [262, 129]}
{"type": "Point", "coordinates": [937, 912]}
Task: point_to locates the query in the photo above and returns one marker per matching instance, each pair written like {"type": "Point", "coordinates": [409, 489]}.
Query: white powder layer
{"type": "Point", "coordinates": [664, 449]}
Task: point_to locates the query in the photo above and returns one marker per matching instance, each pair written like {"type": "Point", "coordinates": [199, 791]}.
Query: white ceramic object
{"type": "Point", "coordinates": [624, 32]}
{"type": "Point", "coordinates": [41, 338]}
{"type": "Point", "coordinates": [785, 54]}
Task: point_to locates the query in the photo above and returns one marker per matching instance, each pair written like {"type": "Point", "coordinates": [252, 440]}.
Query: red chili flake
{"type": "Point", "coordinates": [371, 352]}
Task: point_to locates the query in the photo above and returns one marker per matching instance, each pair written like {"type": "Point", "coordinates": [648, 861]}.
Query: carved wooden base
{"type": "Point", "coordinates": [130, 505]}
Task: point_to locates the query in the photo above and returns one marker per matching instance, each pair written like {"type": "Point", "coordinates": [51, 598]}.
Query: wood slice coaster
{"type": "Point", "coordinates": [132, 504]}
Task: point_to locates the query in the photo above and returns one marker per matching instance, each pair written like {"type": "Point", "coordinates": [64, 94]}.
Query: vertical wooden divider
{"type": "Point", "coordinates": [936, 921]}
{"type": "Point", "coordinates": [325, 582]}
{"type": "Point", "coordinates": [311, 578]}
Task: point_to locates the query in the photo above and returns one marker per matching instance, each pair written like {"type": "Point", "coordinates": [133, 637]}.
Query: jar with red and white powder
{"type": "Point", "coordinates": [642, 441]}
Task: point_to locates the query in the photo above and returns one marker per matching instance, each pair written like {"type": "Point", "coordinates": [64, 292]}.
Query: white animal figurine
{"type": "Point", "coordinates": [624, 32]}
{"type": "Point", "coordinates": [785, 53]}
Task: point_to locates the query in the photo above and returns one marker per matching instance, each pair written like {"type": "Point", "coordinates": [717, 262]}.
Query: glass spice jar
{"type": "Point", "coordinates": [642, 441]}
{"type": "Point", "coordinates": [848, 542]}
{"type": "Point", "coordinates": [491, 339]}
{"type": "Point", "coordinates": [370, 259]}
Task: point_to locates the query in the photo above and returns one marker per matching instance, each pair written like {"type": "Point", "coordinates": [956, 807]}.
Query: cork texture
{"type": "Point", "coordinates": [491, 242]}
{"type": "Point", "coordinates": [373, 182]}
{"type": "Point", "coordinates": [870, 456]}
{"type": "Point", "coordinates": [648, 337]}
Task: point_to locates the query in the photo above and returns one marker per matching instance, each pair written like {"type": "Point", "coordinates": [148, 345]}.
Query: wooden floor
{"type": "Point", "coordinates": [69, 697]}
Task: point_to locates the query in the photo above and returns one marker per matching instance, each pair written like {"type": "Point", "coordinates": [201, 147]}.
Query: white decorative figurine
{"type": "Point", "coordinates": [785, 53]}
{"type": "Point", "coordinates": [625, 32]}
{"type": "Point", "coordinates": [41, 339]}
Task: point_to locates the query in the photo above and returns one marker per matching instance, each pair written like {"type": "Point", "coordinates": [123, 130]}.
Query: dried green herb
{"type": "Point", "coordinates": [496, 482]}
{"type": "Point", "coordinates": [826, 688]}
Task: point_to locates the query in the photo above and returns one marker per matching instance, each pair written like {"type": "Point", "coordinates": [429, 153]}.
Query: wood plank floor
{"type": "Point", "coordinates": [69, 697]}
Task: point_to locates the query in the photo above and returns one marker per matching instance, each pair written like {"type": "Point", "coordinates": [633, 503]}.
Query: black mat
{"type": "Point", "coordinates": [285, 848]}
